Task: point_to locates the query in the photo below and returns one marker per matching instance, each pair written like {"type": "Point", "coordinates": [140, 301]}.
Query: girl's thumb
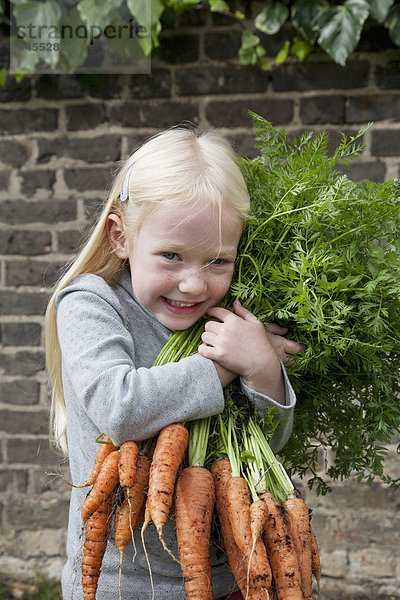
{"type": "Point", "coordinates": [242, 312]}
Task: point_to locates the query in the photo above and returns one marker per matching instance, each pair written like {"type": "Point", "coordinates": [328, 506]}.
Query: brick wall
{"type": "Point", "coordinates": [61, 138]}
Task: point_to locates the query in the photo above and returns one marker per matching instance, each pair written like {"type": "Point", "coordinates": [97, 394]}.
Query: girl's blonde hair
{"type": "Point", "coordinates": [178, 166]}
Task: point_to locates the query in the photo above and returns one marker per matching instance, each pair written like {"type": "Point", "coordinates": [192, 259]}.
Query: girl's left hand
{"type": "Point", "coordinates": [285, 349]}
{"type": "Point", "coordinates": [240, 342]}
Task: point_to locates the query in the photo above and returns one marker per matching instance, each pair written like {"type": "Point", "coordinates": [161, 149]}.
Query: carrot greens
{"type": "Point", "coordinates": [199, 432]}
{"type": "Point", "coordinates": [320, 255]}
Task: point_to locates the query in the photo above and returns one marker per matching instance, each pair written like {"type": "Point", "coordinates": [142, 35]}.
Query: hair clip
{"type": "Point", "coordinates": [124, 195]}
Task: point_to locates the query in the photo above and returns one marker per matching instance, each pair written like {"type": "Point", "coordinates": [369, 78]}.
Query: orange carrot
{"type": "Point", "coordinates": [168, 455]}
{"type": "Point", "coordinates": [258, 515]}
{"type": "Point", "coordinates": [280, 549]}
{"type": "Point", "coordinates": [105, 448]}
{"type": "Point", "coordinates": [298, 520]}
{"type": "Point", "coordinates": [238, 506]}
{"type": "Point", "coordinates": [315, 561]}
{"type": "Point", "coordinates": [127, 514]}
{"type": "Point", "coordinates": [105, 484]}
{"type": "Point", "coordinates": [128, 454]}
{"type": "Point", "coordinates": [222, 473]}
{"type": "Point", "coordinates": [122, 536]}
{"type": "Point", "coordinates": [97, 528]}
{"type": "Point", "coordinates": [194, 503]}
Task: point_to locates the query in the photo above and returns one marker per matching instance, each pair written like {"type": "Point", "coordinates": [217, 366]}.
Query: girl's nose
{"type": "Point", "coordinates": [193, 282]}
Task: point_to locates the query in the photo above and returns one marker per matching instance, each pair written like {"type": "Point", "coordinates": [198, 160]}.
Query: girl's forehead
{"type": "Point", "coordinates": [193, 218]}
{"type": "Point", "coordinates": [201, 228]}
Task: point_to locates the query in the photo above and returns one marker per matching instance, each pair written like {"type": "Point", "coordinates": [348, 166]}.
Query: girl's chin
{"type": "Point", "coordinates": [178, 320]}
{"type": "Point", "coordinates": [177, 324]}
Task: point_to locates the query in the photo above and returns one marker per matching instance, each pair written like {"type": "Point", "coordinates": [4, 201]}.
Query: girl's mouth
{"type": "Point", "coordinates": [180, 308]}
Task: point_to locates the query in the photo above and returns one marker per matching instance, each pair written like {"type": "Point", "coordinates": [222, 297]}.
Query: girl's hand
{"type": "Point", "coordinates": [240, 343]}
{"type": "Point", "coordinates": [284, 348]}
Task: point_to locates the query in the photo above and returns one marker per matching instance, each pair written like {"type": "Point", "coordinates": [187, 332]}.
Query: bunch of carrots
{"type": "Point", "coordinates": [264, 526]}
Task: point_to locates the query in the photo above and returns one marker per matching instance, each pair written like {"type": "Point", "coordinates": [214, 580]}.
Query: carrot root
{"type": "Point", "coordinates": [315, 560]}
{"type": "Point", "coordinates": [105, 448]}
{"type": "Point", "coordinates": [128, 454]}
{"type": "Point", "coordinates": [168, 455]}
{"type": "Point", "coordinates": [97, 529]}
{"type": "Point", "coordinates": [194, 502]}
{"type": "Point", "coordinates": [298, 520]}
{"type": "Point", "coordinates": [254, 552]}
{"type": "Point", "coordinates": [105, 484]}
{"type": "Point", "coordinates": [221, 471]}
{"type": "Point", "coordinates": [281, 552]}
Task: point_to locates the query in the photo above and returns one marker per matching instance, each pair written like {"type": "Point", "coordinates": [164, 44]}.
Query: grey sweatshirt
{"type": "Point", "coordinates": [109, 343]}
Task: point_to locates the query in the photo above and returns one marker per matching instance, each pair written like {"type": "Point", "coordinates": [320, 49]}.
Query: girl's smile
{"type": "Point", "coordinates": [181, 307]}
{"type": "Point", "coordinates": [181, 260]}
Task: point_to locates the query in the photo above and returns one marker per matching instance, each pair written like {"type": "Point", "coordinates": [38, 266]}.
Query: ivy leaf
{"type": "Point", "coordinates": [393, 24]}
{"type": "Point", "coordinates": [95, 12]}
{"type": "Point", "coordinates": [218, 5]}
{"type": "Point", "coordinates": [249, 40]}
{"type": "Point", "coordinates": [379, 9]}
{"type": "Point", "coordinates": [247, 52]}
{"type": "Point", "coordinates": [128, 48]}
{"type": "Point", "coordinates": [340, 28]}
{"type": "Point", "coordinates": [40, 22]}
{"type": "Point", "coordinates": [282, 54]}
{"type": "Point", "coordinates": [303, 14]}
{"type": "Point", "coordinates": [147, 14]}
{"type": "Point", "coordinates": [301, 49]}
{"type": "Point", "coordinates": [239, 15]}
{"type": "Point", "coordinates": [74, 51]}
{"type": "Point", "coordinates": [140, 10]}
{"type": "Point", "coordinates": [21, 59]}
{"type": "Point", "coordinates": [271, 19]}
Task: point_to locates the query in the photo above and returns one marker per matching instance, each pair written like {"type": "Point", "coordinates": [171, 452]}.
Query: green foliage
{"type": "Point", "coordinates": [333, 27]}
{"type": "Point", "coordinates": [320, 255]}
{"type": "Point", "coordinates": [340, 28]}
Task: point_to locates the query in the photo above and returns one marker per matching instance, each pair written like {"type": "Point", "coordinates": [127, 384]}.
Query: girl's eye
{"type": "Point", "coordinates": [170, 255]}
{"type": "Point", "coordinates": [217, 261]}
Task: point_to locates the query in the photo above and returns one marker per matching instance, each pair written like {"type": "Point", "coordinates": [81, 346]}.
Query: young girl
{"type": "Point", "coordinates": [161, 256]}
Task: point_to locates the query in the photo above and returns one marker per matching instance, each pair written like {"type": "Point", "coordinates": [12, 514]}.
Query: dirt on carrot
{"type": "Point", "coordinates": [105, 484]}
{"type": "Point", "coordinates": [222, 473]}
{"type": "Point", "coordinates": [258, 515]}
{"type": "Point", "coordinates": [128, 454]}
{"type": "Point", "coordinates": [194, 502]}
{"type": "Point", "coordinates": [168, 454]}
{"type": "Point", "coordinates": [298, 521]}
{"type": "Point", "coordinates": [238, 506]}
{"type": "Point", "coordinates": [281, 552]}
{"type": "Point", "coordinates": [96, 534]}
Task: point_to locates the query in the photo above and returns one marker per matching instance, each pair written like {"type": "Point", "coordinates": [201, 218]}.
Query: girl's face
{"type": "Point", "coordinates": [181, 262]}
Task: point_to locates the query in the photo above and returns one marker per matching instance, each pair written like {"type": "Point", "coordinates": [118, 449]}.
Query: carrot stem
{"type": "Point", "coordinates": [198, 441]}
{"type": "Point", "coordinates": [276, 468]}
{"type": "Point", "coordinates": [230, 444]}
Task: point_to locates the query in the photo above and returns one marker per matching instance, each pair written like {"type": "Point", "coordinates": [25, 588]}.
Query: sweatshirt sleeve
{"type": "Point", "coordinates": [98, 361]}
{"type": "Point", "coordinates": [284, 412]}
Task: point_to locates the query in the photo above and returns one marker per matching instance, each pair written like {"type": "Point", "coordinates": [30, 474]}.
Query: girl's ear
{"type": "Point", "coordinates": [116, 236]}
